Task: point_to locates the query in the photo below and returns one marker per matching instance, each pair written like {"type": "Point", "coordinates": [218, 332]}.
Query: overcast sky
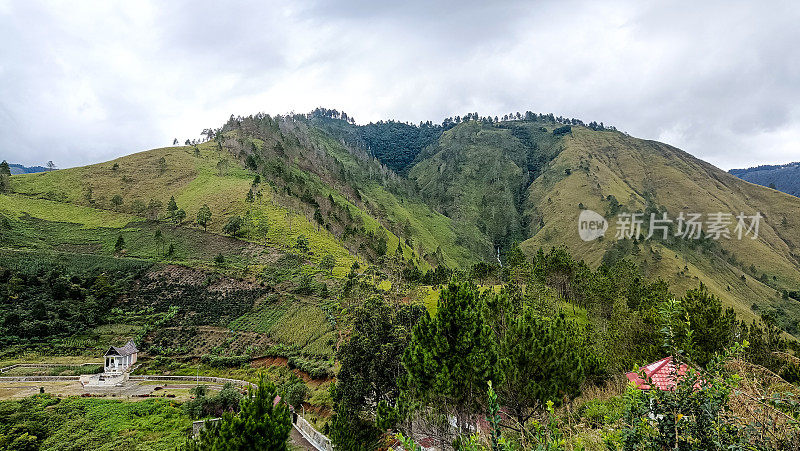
{"type": "Point", "coordinates": [83, 82]}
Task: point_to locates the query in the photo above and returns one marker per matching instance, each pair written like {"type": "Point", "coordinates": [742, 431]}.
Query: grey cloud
{"type": "Point", "coordinates": [81, 83]}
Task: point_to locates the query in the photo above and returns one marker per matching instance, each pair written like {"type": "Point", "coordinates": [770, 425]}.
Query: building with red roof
{"type": "Point", "coordinates": [662, 374]}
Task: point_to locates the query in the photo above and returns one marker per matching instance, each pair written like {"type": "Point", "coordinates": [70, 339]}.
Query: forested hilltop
{"type": "Point", "coordinates": [408, 284]}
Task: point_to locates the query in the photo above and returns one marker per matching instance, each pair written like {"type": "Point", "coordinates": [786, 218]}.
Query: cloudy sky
{"type": "Point", "coordinates": [83, 82]}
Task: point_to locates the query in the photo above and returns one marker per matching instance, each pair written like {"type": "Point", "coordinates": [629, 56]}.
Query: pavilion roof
{"type": "Point", "coordinates": [128, 349]}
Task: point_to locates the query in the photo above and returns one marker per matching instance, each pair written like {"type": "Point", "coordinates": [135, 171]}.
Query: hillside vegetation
{"type": "Point", "coordinates": [393, 267]}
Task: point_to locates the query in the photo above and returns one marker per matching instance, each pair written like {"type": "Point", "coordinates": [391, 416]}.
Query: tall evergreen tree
{"type": "Point", "coordinates": [172, 206]}
{"type": "Point", "coordinates": [712, 326]}
{"type": "Point", "coordinates": [233, 225]}
{"type": "Point", "coordinates": [204, 216]}
{"type": "Point", "coordinates": [5, 176]}
{"type": "Point", "coordinates": [542, 360]}
{"type": "Point", "coordinates": [367, 383]}
{"type": "Point", "coordinates": [451, 357]}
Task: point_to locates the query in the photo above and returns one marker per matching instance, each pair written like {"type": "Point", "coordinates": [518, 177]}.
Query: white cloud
{"type": "Point", "coordinates": [84, 82]}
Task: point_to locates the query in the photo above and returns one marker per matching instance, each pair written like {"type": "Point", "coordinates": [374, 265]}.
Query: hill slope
{"type": "Point", "coordinates": [609, 172]}
{"type": "Point", "coordinates": [474, 189]}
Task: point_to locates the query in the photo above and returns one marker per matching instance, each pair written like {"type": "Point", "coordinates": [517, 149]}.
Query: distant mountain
{"type": "Point", "coordinates": [20, 169]}
{"type": "Point", "coordinates": [784, 177]}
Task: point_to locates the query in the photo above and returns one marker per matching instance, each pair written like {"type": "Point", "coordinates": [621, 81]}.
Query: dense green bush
{"type": "Point", "coordinates": [217, 361]}
{"type": "Point", "coordinates": [44, 422]}
{"type": "Point", "coordinates": [260, 424]}
{"type": "Point", "coordinates": [206, 405]}
{"type": "Point", "coordinates": [46, 305]}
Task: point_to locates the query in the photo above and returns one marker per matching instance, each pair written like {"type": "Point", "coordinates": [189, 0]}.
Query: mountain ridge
{"type": "Point", "coordinates": [783, 177]}
{"type": "Point", "coordinates": [466, 197]}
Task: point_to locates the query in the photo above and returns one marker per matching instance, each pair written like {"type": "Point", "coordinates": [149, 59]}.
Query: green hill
{"type": "Point", "coordinates": [307, 190]}
{"type": "Point", "coordinates": [309, 209]}
{"type": "Point", "coordinates": [288, 240]}
{"type": "Point", "coordinates": [598, 169]}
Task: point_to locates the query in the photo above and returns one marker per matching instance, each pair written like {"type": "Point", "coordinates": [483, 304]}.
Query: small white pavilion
{"type": "Point", "coordinates": [120, 360]}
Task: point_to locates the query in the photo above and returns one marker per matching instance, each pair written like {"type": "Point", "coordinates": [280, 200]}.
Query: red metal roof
{"type": "Point", "coordinates": [662, 374]}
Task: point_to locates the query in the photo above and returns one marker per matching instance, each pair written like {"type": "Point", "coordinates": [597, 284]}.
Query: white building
{"type": "Point", "coordinates": [120, 360]}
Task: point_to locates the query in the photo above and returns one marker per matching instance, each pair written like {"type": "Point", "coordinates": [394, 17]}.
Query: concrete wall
{"type": "Point", "coordinates": [38, 378]}
{"type": "Point", "coordinates": [316, 438]}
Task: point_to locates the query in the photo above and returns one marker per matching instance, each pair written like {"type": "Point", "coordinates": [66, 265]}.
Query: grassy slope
{"type": "Point", "coordinates": [470, 167]}
{"type": "Point", "coordinates": [74, 224]}
{"type": "Point", "coordinates": [477, 175]}
{"type": "Point", "coordinates": [429, 228]}
{"type": "Point", "coordinates": [469, 163]}
{"type": "Point", "coordinates": [42, 229]}
{"type": "Point", "coordinates": [193, 179]}
{"type": "Point", "coordinates": [102, 424]}
{"type": "Point", "coordinates": [628, 168]}
{"type": "Point", "coordinates": [17, 206]}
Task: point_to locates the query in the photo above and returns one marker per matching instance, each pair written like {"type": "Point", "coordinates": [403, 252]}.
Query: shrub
{"type": "Point", "coordinates": [233, 361]}
{"type": "Point", "coordinates": [598, 412]}
{"type": "Point", "coordinates": [561, 131]}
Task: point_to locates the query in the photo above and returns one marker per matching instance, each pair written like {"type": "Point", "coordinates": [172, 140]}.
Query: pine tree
{"type": "Point", "coordinates": [172, 206]}
{"type": "Point", "coordinates": [5, 176]}
{"type": "Point", "coordinates": [367, 391]}
{"type": "Point", "coordinates": [204, 216]}
{"type": "Point", "coordinates": [179, 216]}
{"type": "Point", "coordinates": [261, 424]}
{"type": "Point", "coordinates": [542, 360]}
{"type": "Point", "coordinates": [451, 357]}
{"type": "Point", "coordinates": [327, 263]}
{"type": "Point", "coordinates": [318, 218]}
{"type": "Point", "coordinates": [120, 244]}
{"type": "Point", "coordinates": [233, 225]}
{"type": "Point", "coordinates": [712, 326]}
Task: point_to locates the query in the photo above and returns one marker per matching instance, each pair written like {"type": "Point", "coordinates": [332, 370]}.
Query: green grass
{"type": "Point", "coordinates": [430, 299]}
{"type": "Point", "coordinates": [429, 229]}
{"type": "Point", "coordinates": [286, 225]}
{"type": "Point", "coordinates": [474, 173]}
{"type": "Point", "coordinates": [17, 206]}
{"type": "Point", "coordinates": [101, 424]}
{"type": "Point", "coordinates": [60, 370]}
{"type": "Point", "coordinates": [138, 176]}
{"type": "Point", "coordinates": [190, 245]}
{"type": "Point", "coordinates": [299, 325]}
{"type": "Point", "coordinates": [262, 318]}
{"type": "Point", "coordinates": [594, 165]}
{"type": "Point", "coordinates": [33, 262]}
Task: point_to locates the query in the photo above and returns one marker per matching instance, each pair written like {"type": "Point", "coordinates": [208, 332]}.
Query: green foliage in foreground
{"type": "Point", "coordinates": [43, 422]}
{"type": "Point", "coordinates": [553, 326]}
{"type": "Point", "coordinates": [451, 356]}
{"type": "Point", "coordinates": [259, 424]}
{"type": "Point", "coordinates": [206, 405]}
{"type": "Point", "coordinates": [366, 391]}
